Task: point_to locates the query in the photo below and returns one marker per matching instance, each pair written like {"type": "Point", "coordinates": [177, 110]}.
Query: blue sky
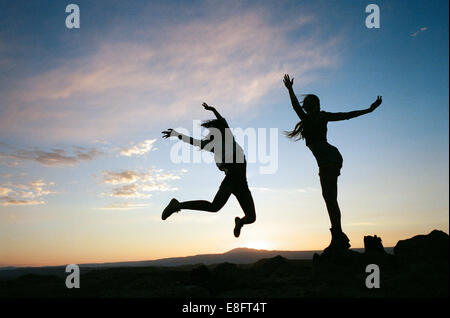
{"type": "Point", "coordinates": [73, 102]}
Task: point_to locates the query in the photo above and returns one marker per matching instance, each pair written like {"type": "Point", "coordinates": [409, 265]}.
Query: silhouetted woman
{"type": "Point", "coordinates": [229, 158]}
{"type": "Point", "coordinates": [313, 128]}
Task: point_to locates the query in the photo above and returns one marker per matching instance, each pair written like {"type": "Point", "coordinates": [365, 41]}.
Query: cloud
{"type": "Point", "coordinates": [132, 176]}
{"type": "Point", "coordinates": [139, 149]}
{"type": "Point", "coordinates": [422, 29]}
{"type": "Point", "coordinates": [11, 164]}
{"type": "Point", "coordinates": [36, 188]}
{"type": "Point", "coordinates": [54, 157]}
{"type": "Point", "coordinates": [25, 194]}
{"type": "Point", "coordinates": [157, 187]}
{"type": "Point", "coordinates": [137, 184]}
{"type": "Point", "coordinates": [129, 191]}
{"type": "Point", "coordinates": [4, 191]}
{"type": "Point", "coordinates": [127, 82]}
{"type": "Point", "coordinates": [127, 176]}
{"type": "Point", "coordinates": [5, 201]}
{"type": "Point", "coordinates": [123, 206]}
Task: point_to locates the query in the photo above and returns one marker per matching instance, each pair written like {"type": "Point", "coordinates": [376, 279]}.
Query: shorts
{"type": "Point", "coordinates": [328, 158]}
{"type": "Point", "coordinates": [330, 170]}
{"type": "Point", "coordinates": [235, 180]}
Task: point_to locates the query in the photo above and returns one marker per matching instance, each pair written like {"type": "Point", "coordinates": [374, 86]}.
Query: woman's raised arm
{"type": "Point", "coordinates": [213, 109]}
{"type": "Point", "coordinates": [187, 139]}
{"type": "Point", "coordinates": [355, 113]}
{"type": "Point", "coordinates": [294, 101]}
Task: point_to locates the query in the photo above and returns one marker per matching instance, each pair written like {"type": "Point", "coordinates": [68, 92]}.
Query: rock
{"type": "Point", "coordinates": [374, 253]}
{"type": "Point", "coordinates": [372, 244]}
{"type": "Point", "coordinates": [343, 262]}
{"type": "Point", "coordinates": [271, 263]}
{"type": "Point", "coordinates": [348, 262]}
{"type": "Point", "coordinates": [431, 248]}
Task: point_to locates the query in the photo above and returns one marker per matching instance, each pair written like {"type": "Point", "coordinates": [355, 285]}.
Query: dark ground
{"type": "Point", "coordinates": [419, 268]}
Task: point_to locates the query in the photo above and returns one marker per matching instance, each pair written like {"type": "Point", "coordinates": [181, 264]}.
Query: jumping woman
{"type": "Point", "coordinates": [313, 128]}
{"type": "Point", "coordinates": [230, 159]}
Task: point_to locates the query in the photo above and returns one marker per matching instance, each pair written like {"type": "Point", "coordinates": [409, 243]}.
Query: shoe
{"type": "Point", "coordinates": [339, 241]}
{"type": "Point", "coordinates": [237, 227]}
{"type": "Point", "coordinates": [171, 208]}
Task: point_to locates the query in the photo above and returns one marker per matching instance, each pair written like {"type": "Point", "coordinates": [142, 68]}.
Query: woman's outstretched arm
{"type": "Point", "coordinates": [295, 104]}
{"type": "Point", "coordinates": [187, 139]}
{"type": "Point", "coordinates": [355, 113]}
{"type": "Point", "coordinates": [213, 109]}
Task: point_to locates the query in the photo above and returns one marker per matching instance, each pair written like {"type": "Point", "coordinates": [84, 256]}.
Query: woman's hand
{"type": "Point", "coordinates": [376, 103]}
{"type": "Point", "coordinates": [170, 133]}
{"type": "Point", "coordinates": [288, 82]}
{"type": "Point", "coordinates": [213, 109]}
{"type": "Point", "coordinates": [207, 107]}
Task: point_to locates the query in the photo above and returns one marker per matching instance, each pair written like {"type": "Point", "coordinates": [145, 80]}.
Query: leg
{"type": "Point", "coordinates": [202, 205]}
{"type": "Point", "coordinates": [245, 199]}
{"type": "Point", "coordinates": [328, 182]}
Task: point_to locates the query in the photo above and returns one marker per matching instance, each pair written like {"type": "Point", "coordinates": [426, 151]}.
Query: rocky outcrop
{"type": "Point", "coordinates": [430, 249]}
{"type": "Point", "coordinates": [373, 244]}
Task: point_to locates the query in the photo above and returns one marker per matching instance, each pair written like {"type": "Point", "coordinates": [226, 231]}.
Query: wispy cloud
{"type": "Point", "coordinates": [124, 206]}
{"type": "Point", "coordinates": [5, 201]}
{"type": "Point", "coordinates": [422, 29]}
{"type": "Point", "coordinates": [138, 149]}
{"type": "Point", "coordinates": [137, 184]}
{"type": "Point", "coordinates": [120, 177]}
{"type": "Point", "coordinates": [129, 191]}
{"type": "Point", "coordinates": [25, 194]}
{"type": "Point", "coordinates": [124, 84]}
{"type": "Point", "coordinates": [54, 157]}
{"type": "Point", "coordinates": [5, 191]}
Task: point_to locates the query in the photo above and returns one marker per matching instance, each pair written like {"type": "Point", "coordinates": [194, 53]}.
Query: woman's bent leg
{"type": "Point", "coordinates": [245, 200]}
{"type": "Point", "coordinates": [202, 205]}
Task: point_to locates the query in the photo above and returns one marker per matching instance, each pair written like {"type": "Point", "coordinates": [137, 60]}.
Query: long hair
{"type": "Point", "coordinates": [214, 123]}
{"type": "Point", "coordinates": [308, 103]}
{"type": "Point", "coordinates": [297, 132]}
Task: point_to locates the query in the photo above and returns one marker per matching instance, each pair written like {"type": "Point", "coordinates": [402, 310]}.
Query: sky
{"type": "Point", "coordinates": [85, 174]}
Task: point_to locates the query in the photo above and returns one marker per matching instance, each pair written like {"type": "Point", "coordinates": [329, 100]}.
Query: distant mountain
{"type": "Point", "coordinates": [236, 256]}
{"type": "Point", "coordinates": [240, 255]}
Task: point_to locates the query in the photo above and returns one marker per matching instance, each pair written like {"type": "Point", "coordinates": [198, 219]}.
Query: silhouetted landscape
{"type": "Point", "coordinates": [417, 267]}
